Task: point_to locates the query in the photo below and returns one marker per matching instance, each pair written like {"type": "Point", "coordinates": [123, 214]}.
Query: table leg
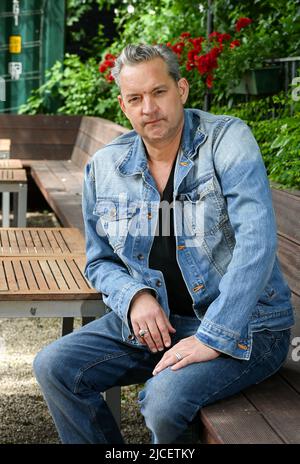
{"type": "Point", "coordinates": [5, 209]}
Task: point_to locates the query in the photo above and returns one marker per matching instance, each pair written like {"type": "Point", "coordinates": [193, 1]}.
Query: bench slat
{"type": "Point", "coordinates": [289, 257]}
{"type": "Point", "coordinates": [236, 421]}
{"type": "Point", "coordinates": [287, 217]}
{"type": "Point", "coordinates": [280, 405]}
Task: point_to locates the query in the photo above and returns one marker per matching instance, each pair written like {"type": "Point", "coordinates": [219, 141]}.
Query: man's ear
{"type": "Point", "coordinates": [184, 88]}
{"type": "Point", "coordinates": [121, 103]}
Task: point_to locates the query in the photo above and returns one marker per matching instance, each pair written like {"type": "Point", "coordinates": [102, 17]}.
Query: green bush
{"type": "Point", "coordinates": [278, 137]}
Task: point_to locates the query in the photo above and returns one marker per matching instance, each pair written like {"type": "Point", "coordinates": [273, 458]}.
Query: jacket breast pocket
{"type": "Point", "coordinates": [203, 209]}
{"type": "Point", "coordinates": [118, 220]}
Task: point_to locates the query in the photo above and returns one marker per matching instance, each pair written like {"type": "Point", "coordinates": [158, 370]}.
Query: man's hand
{"type": "Point", "coordinates": [147, 314]}
{"type": "Point", "coordinates": [190, 349]}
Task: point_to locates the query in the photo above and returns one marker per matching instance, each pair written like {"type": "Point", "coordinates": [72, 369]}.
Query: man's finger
{"type": "Point", "coordinates": [163, 328]}
{"type": "Point", "coordinates": [183, 362]}
{"type": "Point", "coordinates": [156, 336]}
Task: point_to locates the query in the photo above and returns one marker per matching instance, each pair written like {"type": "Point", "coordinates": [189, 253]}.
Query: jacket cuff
{"type": "Point", "coordinates": [222, 339]}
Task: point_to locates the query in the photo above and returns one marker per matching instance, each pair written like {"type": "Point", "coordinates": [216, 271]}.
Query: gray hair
{"type": "Point", "coordinates": [134, 54]}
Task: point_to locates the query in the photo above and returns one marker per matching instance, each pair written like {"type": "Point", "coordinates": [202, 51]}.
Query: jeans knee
{"type": "Point", "coordinates": [157, 406]}
{"type": "Point", "coordinates": [46, 366]}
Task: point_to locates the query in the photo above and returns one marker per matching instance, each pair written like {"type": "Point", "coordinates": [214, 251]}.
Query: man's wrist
{"type": "Point", "coordinates": [140, 292]}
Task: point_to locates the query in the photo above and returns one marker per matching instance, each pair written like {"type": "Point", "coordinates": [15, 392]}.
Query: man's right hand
{"type": "Point", "coordinates": [147, 314]}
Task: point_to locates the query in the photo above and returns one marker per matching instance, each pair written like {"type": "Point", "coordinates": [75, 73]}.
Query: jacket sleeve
{"type": "Point", "coordinates": [104, 269]}
{"type": "Point", "coordinates": [243, 178]}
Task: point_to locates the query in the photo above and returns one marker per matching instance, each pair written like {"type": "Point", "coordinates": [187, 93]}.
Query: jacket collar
{"type": "Point", "coordinates": [135, 160]}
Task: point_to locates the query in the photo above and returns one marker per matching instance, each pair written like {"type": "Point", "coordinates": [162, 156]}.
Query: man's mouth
{"type": "Point", "coordinates": [153, 122]}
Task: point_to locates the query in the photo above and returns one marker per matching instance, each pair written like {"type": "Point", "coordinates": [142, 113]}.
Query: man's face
{"type": "Point", "coordinates": [152, 100]}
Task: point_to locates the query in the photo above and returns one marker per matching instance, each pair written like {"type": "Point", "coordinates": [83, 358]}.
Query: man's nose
{"type": "Point", "coordinates": [149, 105]}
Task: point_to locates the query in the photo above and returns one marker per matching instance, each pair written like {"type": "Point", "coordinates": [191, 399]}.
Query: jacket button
{"type": "Point", "coordinates": [130, 337]}
{"type": "Point", "coordinates": [158, 283]}
{"type": "Point", "coordinates": [140, 257]}
{"type": "Point", "coordinates": [149, 216]}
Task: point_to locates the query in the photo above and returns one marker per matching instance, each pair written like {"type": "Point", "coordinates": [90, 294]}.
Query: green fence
{"type": "Point", "coordinates": [32, 36]}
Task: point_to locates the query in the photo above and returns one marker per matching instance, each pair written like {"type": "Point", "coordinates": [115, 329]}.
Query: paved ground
{"type": "Point", "coordinates": [24, 415]}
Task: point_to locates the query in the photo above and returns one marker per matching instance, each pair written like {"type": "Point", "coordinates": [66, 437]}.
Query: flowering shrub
{"type": "Point", "coordinates": [201, 59]}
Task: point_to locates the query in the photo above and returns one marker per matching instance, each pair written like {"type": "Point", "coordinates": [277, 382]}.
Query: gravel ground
{"type": "Point", "coordinates": [24, 414]}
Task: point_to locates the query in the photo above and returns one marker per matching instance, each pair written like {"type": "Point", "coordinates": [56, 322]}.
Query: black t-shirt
{"type": "Point", "coordinates": [163, 256]}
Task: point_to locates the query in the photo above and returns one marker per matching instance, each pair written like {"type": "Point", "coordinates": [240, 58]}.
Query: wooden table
{"type": "Point", "coordinates": [42, 275]}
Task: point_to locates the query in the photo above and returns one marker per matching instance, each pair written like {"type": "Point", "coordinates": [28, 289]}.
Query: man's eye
{"type": "Point", "coordinates": [133, 100]}
{"type": "Point", "coordinates": [158, 92]}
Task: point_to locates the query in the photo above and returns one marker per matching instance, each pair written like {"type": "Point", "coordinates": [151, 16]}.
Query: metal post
{"type": "Point", "coordinates": [209, 29]}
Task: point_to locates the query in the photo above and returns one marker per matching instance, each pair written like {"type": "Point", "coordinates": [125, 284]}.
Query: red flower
{"type": "Point", "coordinates": [197, 43]}
{"type": "Point", "coordinates": [219, 37]}
{"type": "Point", "coordinates": [235, 43]}
{"type": "Point", "coordinates": [177, 48]}
{"type": "Point", "coordinates": [241, 23]}
{"type": "Point", "coordinates": [109, 56]}
{"type": "Point", "coordinates": [102, 68]}
{"type": "Point", "coordinates": [185, 34]}
{"type": "Point", "coordinates": [209, 81]}
{"type": "Point", "coordinates": [206, 63]}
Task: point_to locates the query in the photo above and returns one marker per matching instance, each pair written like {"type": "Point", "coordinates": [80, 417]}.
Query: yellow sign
{"type": "Point", "coordinates": [15, 44]}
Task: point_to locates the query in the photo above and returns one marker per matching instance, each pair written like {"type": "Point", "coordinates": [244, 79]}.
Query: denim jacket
{"type": "Point", "coordinates": [226, 250]}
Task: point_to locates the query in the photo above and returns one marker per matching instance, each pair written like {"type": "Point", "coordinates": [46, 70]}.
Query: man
{"type": "Point", "coordinates": [197, 314]}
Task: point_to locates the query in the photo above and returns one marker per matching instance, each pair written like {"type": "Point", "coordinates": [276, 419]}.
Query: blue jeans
{"type": "Point", "coordinates": [73, 370]}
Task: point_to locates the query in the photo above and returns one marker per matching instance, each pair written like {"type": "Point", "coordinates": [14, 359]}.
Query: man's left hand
{"type": "Point", "coordinates": [190, 349]}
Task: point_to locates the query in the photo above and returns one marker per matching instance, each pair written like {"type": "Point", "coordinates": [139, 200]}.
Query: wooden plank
{"type": "Point", "coordinates": [10, 164]}
{"type": "Point", "coordinates": [80, 157]}
{"type": "Point", "coordinates": [5, 145]}
{"type": "Point", "coordinates": [30, 247]}
{"type": "Point", "coordinates": [28, 271]}
{"type": "Point", "coordinates": [13, 176]}
{"type": "Point", "coordinates": [69, 240]}
{"type": "Point", "coordinates": [46, 180]}
{"type": "Point", "coordinates": [3, 279]}
{"type": "Point", "coordinates": [4, 240]}
{"type": "Point", "coordinates": [10, 277]}
{"type": "Point", "coordinates": [235, 421]}
{"type": "Point", "coordinates": [101, 129]}
{"type": "Point", "coordinates": [289, 257]}
{"type": "Point", "coordinates": [291, 370]}
{"type": "Point", "coordinates": [45, 122]}
{"type": "Point", "coordinates": [61, 281]}
{"type": "Point", "coordinates": [20, 276]}
{"type": "Point", "coordinates": [280, 405]}
{"type": "Point", "coordinates": [287, 211]}
{"type": "Point", "coordinates": [66, 176]}
{"type": "Point", "coordinates": [41, 152]}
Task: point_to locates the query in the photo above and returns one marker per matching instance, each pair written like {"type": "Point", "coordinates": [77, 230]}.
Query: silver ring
{"type": "Point", "coordinates": [178, 356]}
{"type": "Point", "coordinates": [143, 332]}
